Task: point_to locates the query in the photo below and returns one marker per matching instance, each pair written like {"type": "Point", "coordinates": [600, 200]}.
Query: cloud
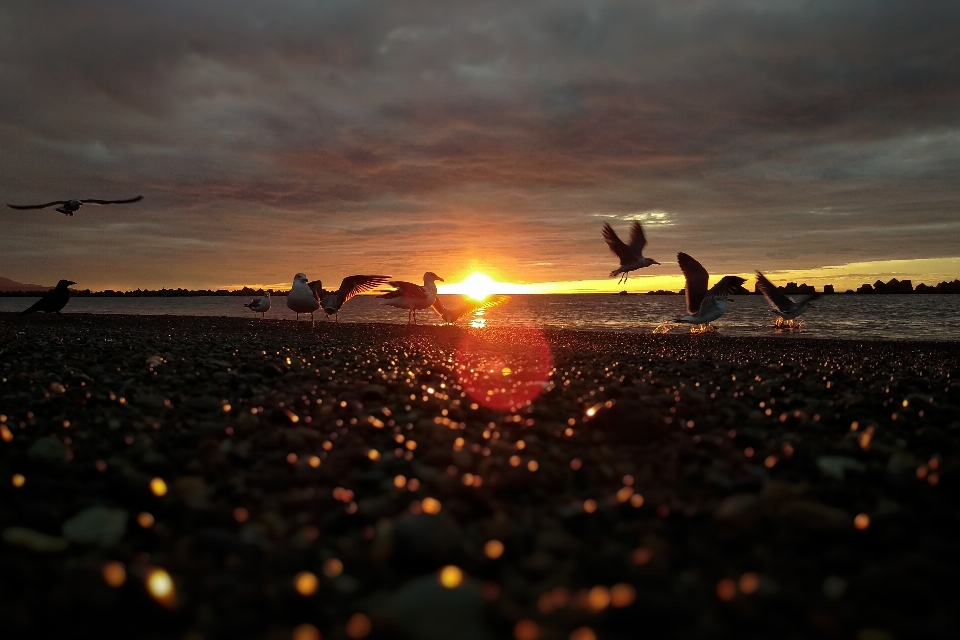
{"type": "Point", "coordinates": [761, 131]}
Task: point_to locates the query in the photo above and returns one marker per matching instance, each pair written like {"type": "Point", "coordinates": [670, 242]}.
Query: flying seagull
{"type": "Point", "coordinates": [260, 305]}
{"type": "Point", "coordinates": [413, 297]}
{"type": "Point", "coordinates": [54, 300]}
{"type": "Point", "coordinates": [69, 207]}
{"type": "Point", "coordinates": [631, 255]}
{"type": "Point", "coordinates": [704, 305]}
{"type": "Point", "coordinates": [459, 306]}
{"type": "Point", "coordinates": [332, 301]}
{"type": "Point", "coordinates": [302, 299]}
{"type": "Point", "coordinates": [785, 307]}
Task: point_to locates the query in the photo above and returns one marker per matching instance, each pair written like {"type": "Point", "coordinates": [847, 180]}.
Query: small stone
{"type": "Point", "coordinates": [816, 516]}
{"type": "Point", "coordinates": [834, 587]}
{"type": "Point", "coordinates": [34, 540]}
{"type": "Point", "coordinates": [741, 510]}
{"type": "Point", "coordinates": [48, 449]}
{"type": "Point", "coordinates": [425, 610]}
{"type": "Point", "coordinates": [836, 466]}
{"type": "Point", "coordinates": [96, 525]}
{"type": "Point", "coordinates": [192, 490]}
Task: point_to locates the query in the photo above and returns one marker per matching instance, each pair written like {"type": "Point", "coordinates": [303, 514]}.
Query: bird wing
{"type": "Point", "coordinates": [777, 300]}
{"type": "Point", "coordinates": [36, 206]}
{"type": "Point", "coordinates": [726, 286]}
{"type": "Point", "coordinates": [317, 287]}
{"type": "Point", "coordinates": [352, 285]}
{"type": "Point", "coordinates": [637, 240]}
{"type": "Point", "coordinates": [407, 289]}
{"type": "Point", "coordinates": [708, 307]}
{"type": "Point", "coordinates": [94, 201]}
{"type": "Point", "coordinates": [696, 278]}
{"type": "Point", "coordinates": [616, 245]}
{"type": "Point", "coordinates": [807, 297]}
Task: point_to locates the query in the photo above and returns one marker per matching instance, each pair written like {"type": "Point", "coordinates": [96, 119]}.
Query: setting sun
{"type": "Point", "coordinates": [478, 285]}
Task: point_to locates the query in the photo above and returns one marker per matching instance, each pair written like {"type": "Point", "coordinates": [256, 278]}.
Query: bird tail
{"type": "Point", "coordinates": [615, 273]}
{"type": "Point", "coordinates": [30, 310]}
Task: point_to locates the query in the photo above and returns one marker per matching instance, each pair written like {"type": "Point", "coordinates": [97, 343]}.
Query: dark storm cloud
{"type": "Point", "coordinates": [770, 132]}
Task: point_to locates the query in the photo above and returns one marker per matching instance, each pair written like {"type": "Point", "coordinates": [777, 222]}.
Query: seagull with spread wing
{"type": "Point", "coordinates": [704, 305]}
{"type": "Point", "coordinates": [413, 297]}
{"type": "Point", "coordinates": [631, 255]}
{"type": "Point", "coordinates": [69, 207]}
{"type": "Point", "coordinates": [784, 306]}
{"type": "Point", "coordinates": [260, 305]}
{"type": "Point", "coordinates": [332, 301]}
{"type": "Point", "coordinates": [458, 306]}
{"type": "Point", "coordinates": [302, 299]}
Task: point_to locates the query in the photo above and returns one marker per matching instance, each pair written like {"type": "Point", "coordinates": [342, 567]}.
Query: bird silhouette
{"type": "Point", "coordinates": [69, 207]}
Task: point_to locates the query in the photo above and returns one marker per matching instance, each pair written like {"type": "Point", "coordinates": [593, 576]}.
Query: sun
{"type": "Point", "coordinates": [478, 285]}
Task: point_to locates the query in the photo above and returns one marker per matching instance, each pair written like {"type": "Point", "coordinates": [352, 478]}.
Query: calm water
{"type": "Point", "coordinates": [919, 317]}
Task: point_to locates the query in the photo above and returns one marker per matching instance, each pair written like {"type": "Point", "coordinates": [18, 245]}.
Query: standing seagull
{"type": "Point", "coordinates": [453, 310]}
{"type": "Point", "coordinates": [260, 305]}
{"type": "Point", "coordinates": [302, 299]}
{"type": "Point", "coordinates": [69, 207]}
{"type": "Point", "coordinates": [333, 301]}
{"type": "Point", "coordinates": [54, 300]}
{"type": "Point", "coordinates": [413, 297]}
{"type": "Point", "coordinates": [631, 255]}
{"type": "Point", "coordinates": [782, 305]}
{"type": "Point", "coordinates": [703, 305]}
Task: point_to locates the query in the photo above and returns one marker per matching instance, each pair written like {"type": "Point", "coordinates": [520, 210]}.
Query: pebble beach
{"type": "Point", "coordinates": [204, 478]}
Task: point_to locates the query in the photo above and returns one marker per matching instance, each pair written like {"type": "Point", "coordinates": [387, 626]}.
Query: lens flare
{"type": "Point", "coordinates": [506, 371]}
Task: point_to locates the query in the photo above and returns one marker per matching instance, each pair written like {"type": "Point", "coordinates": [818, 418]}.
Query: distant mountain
{"type": "Point", "coordinates": [6, 284]}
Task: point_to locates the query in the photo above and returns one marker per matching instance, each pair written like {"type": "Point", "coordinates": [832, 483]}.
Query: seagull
{"type": "Point", "coordinates": [260, 305]}
{"type": "Point", "coordinates": [462, 305]}
{"type": "Point", "coordinates": [302, 299]}
{"type": "Point", "coordinates": [413, 297]}
{"type": "Point", "coordinates": [69, 207]}
{"type": "Point", "coordinates": [631, 255]}
{"type": "Point", "coordinates": [785, 307]}
{"type": "Point", "coordinates": [333, 301]}
{"type": "Point", "coordinates": [704, 305]}
{"type": "Point", "coordinates": [54, 300]}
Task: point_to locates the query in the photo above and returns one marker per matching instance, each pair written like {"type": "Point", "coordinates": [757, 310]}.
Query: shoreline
{"type": "Point", "coordinates": [282, 452]}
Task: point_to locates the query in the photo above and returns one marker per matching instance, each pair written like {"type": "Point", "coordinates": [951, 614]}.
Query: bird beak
{"type": "Point", "coordinates": [441, 279]}
{"type": "Point", "coordinates": [655, 262]}
{"type": "Point", "coordinates": [71, 282]}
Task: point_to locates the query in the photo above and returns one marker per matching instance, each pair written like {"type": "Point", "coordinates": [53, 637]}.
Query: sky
{"type": "Point", "coordinates": [815, 141]}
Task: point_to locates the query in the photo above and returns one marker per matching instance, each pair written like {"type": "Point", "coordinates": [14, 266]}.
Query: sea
{"type": "Point", "coordinates": [872, 317]}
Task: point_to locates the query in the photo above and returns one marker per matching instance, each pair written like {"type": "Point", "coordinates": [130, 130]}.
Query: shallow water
{"type": "Point", "coordinates": [917, 317]}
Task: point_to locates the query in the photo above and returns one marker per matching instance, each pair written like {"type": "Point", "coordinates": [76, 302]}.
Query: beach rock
{"type": "Point", "coordinates": [192, 490]}
{"type": "Point", "coordinates": [837, 466]}
{"type": "Point", "coordinates": [425, 541]}
{"type": "Point", "coordinates": [48, 449]}
{"type": "Point", "coordinates": [34, 540]}
{"type": "Point", "coordinates": [816, 516]}
{"type": "Point", "coordinates": [425, 610]}
{"type": "Point", "coordinates": [629, 420]}
{"type": "Point", "coordinates": [96, 525]}
{"type": "Point", "coordinates": [741, 510]}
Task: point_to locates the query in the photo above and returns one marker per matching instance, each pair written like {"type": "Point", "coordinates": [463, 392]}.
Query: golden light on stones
{"type": "Point", "coordinates": [451, 577]}
{"type": "Point", "coordinates": [493, 549]}
{"type": "Point", "coordinates": [158, 487]}
{"type": "Point", "coordinates": [313, 461]}
{"type": "Point", "coordinates": [726, 590]}
{"type": "Point", "coordinates": [598, 598]}
{"type": "Point", "coordinates": [749, 583]}
{"type": "Point", "coordinates": [145, 519]}
{"type": "Point", "coordinates": [18, 480]}
{"type": "Point", "coordinates": [583, 633]}
{"type": "Point", "coordinates": [160, 586]}
{"type": "Point", "coordinates": [624, 494]}
{"type": "Point", "coordinates": [636, 501]}
{"type": "Point", "coordinates": [358, 626]}
{"type": "Point", "coordinates": [622, 595]}
{"type": "Point", "coordinates": [862, 521]}
{"type": "Point", "coordinates": [306, 631]}
{"type": "Point", "coordinates": [430, 506]}
{"type": "Point", "coordinates": [373, 454]}
{"type": "Point", "coordinates": [305, 583]}
{"type": "Point", "coordinates": [533, 465]}
{"type": "Point", "coordinates": [400, 482]}
{"type": "Point", "coordinates": [241, 515]}
{"type": "Point", "coordinates": [504, 375]}
{"type": "Point", "coordinates": [642, 555]}
{"type": "Point", "coordinates": [590, 506]}
{"type": "Point", "coordinates": [526, 630]}
{"type": "Point", "coordinates": [114, 574]}
{"type": "Point", "coordinates": [332, 568]}
{"type": "Point", "coordinates": [6, 434]}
